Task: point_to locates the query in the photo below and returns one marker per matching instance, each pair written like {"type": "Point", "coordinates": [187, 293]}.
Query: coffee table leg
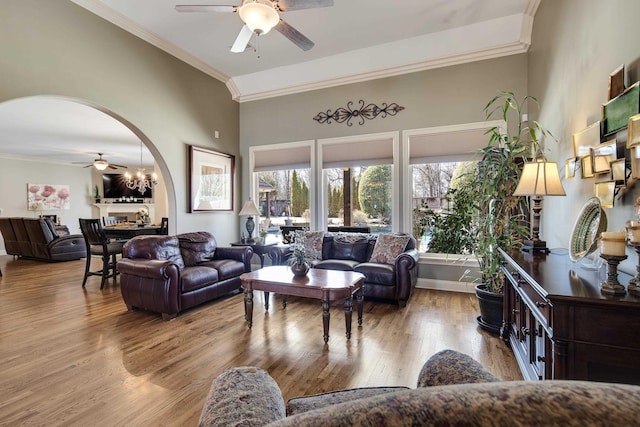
{"type": "Point", "coordinates": [266, 301]}
{"type": "Point", "coordinates": [284, 302]}
{"type": "Point", "coordinates": [325, 319]}
{"type": "Point", "coordinates": [248, 307]}
{"type": "Point", "coordinates": [348, 310]}
{"type": "Point", "coordinates": [360, 303]}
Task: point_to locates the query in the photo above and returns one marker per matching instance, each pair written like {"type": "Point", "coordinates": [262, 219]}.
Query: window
{"type": "Point", "coordinates": [281, 185]}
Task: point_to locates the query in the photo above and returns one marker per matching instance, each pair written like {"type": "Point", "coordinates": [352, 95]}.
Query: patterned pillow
{"type": "Point", "coordinates": [388, 247]}
{"type": "Point", "coordinates": [312, 243]}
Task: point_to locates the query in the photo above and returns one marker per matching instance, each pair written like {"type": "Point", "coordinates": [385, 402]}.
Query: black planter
{"type": "Point", "coordinates": [490, 318]}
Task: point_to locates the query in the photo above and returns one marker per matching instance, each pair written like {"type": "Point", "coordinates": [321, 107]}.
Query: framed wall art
{"type": "Point", "coordinates": [616, 82]}
{"type": "Point", "coordinates": [633, 135]}
{"type": "Point", "coordinates": [619, 171]}
{"type": "Point", "coordinates": [602, 155]}
{"type": "Point", "coordinates": [605, 191]}
{"type": "Point", "coordinates": [585, 167]}
{"type": "Point", "coordinates": [585, 139]}
{"type": "Point", "coordinates": [570, 168]}
{"type": "Point", "coordinates": [210, 180]}
{"type": "Point", "coordinates": [616, 112]}
{"type": "Point", "coordinates": [48, 197]}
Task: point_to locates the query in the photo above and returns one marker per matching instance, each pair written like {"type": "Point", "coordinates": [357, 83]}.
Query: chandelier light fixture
{"type": "Point", "coordinates": [259, 15]}
{"type": "Point", "coordinates": [141, 181]}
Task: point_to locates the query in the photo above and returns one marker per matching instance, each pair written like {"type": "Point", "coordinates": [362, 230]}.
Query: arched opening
{"type": "Point", "coordinates": [64, 132]}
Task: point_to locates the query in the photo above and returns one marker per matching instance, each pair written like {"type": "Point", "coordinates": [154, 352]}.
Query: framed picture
{"type": "Point", "coordinates": [48, 197]}
{"type": "Point", "coordinates": [585, 166]}
{"type": "Point", "coordinates": [585, 139]}
{"type": "Point", "coordinates": [616, 113]}
{"type": "Point", "coordinates": [602, 155]}
{"type": "Point", "coordinates": [619, 171]}
{"type": "Point", "coordinates": [605, 191]}
{"type": "Point", "coordinates": [570, 168]}
{"type": "Point", "coordinates": [633, 136]}
{"type": "Point", "coordinates": [210, 180]}
{"type": "Point", "coordinates": [616, 82]}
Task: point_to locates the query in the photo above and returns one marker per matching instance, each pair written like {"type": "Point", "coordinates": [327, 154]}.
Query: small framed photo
{"type": "Point", "coordinates": [585, 139]}
{"type": "Point", "coordinates": [633, 136]}
{"type": "Point", "coordinates": [210, 180]}
{"type": "Point", "coordinates": [605, 191]}
{"type": "Point", "coordinates": [585, 167]}
{"type": "Point", "coordinates": [616, 82]}
{"type": "Point", "coordinates": [602, 155]}
{"type": "Point", "coordinates": [570, 168]}
{"type": "Point", "coordinates": [619, 171]}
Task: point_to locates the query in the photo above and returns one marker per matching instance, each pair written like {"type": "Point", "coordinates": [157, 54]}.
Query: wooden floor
{"type": "Point", "coordinates": [75, 357]}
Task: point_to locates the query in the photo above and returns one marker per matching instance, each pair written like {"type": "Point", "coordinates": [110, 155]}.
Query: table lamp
{"type": "Point", "coordinates": [250, 209]}
{"type": "Point", "coordinates": [538, 179]}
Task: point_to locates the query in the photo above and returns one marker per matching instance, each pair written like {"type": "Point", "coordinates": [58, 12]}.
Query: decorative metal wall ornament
{"type": "Point", "coordinates": [368, 112]}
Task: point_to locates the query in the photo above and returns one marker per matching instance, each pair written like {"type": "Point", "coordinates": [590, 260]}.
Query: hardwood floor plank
{"type": "Point", "coordinates": [75, 357]}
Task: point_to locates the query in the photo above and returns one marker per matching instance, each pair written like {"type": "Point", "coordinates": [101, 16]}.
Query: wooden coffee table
{"type": "Point", "coordinates": [325, 285]}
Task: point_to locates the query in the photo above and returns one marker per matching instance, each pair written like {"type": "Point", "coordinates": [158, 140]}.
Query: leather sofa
{"type": "Point", "coordinates": [37, 238]}
{"type": "Point", "coordinates": [452, 390]}
{"type": "Point", "coordinates": [168, 274]}
{"type": "Point", "coordinates": [390, 282]}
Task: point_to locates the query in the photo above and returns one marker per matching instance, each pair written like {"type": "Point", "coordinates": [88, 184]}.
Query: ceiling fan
{"type": "Point", "coordinates": [101, 164]}
{"type": "Point", "coordinates": [260, 16]}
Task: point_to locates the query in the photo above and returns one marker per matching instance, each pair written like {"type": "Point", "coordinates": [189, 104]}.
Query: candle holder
{"type": "Point", "coordinates": [612, 286]}
{"type": "Point", "coordinates": [634, 284]}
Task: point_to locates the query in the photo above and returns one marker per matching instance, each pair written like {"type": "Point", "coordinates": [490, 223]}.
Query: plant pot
{"type": "Point", "coordinates": [491, 304]}
{"type": "Point", "coordinates": [299, 269]}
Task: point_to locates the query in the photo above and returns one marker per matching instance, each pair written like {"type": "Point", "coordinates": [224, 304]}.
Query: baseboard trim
{"type": "Point", "coordinates": [446, 285]}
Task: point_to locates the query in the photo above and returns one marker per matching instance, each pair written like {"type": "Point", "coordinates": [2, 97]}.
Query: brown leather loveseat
{"type": "Point", "coordinates": [37, 238]}
{"type": "Point", "coordinates": [390, 271]}
{"type": "Point", "coordinates": [168, 274]}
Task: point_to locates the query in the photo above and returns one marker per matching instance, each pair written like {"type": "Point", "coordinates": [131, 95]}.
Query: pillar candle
{"type": "Point", "coordinates": [612, 243]}
{"type": "Point", "coordinates": [633, 231]}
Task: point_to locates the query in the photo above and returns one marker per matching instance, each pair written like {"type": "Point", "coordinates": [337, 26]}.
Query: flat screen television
{"type": "Point", "coordinates": [114, 187]}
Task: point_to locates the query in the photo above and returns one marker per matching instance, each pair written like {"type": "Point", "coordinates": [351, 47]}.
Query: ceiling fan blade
{"type": "Point", "coordinates": [88, 166]}
{"type": "Point", "coordinates": [242, 40]}
{"type": "Point", "coordinates": [288, 5]}
{"type": "Point", "coordinates": [205, 8]}
{"type": "Point", "coordinates": [294, 35]}
{"type": "Point", "coordinates": [114, 166]}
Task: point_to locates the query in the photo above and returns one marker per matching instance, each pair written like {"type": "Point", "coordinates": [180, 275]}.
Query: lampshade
{"type": "Point", "coordinates": [259, 15]}
{"type": "Point", "coordinates": [540, 179]}
{"type": "Point", "coordinates": [100, 164]}
{"type": "Point", "coordinates": [249, 208]}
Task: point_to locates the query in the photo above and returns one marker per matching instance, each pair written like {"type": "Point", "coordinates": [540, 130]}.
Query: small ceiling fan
{"type": "Point", "coordinates": [260, 16]}
{"type": "Point", "coordinates": [101, 164]}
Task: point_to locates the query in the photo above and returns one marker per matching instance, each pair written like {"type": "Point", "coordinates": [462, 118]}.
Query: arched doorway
{"type": "Point", "coordinates": [64, 132]}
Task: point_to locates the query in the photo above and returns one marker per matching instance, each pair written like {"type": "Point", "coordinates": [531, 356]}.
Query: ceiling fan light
{"type": "Point", "coordinates": [259, 15]}
{"type": "Point", "coordinates": [100, 164]}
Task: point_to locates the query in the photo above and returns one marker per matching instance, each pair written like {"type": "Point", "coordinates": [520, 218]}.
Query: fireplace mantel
{"type": "Point", "coordinates": [110, 209]}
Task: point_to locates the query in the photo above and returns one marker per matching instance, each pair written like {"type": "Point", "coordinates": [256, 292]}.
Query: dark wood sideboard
{"type": "Point", "coordinates": [560, 326]}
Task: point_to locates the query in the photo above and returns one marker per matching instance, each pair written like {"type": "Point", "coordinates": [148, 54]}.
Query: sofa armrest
{"type": "Point", "coordinates": [148, 268]}
{"type": "Point", "coordinates": [406, 270]}
{"type": "Point", "coordinates": [238, 253]}
{"type": "Point", "coordinates": [452, 367]}
{"type": "Point", "coordinates": [245, 396]}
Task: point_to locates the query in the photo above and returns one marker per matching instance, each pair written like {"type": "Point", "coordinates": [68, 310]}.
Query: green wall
{"type": "Point", "coordinates": [55, 47]}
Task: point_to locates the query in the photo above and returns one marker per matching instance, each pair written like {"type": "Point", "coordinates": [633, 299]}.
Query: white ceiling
{"type": "Point", "coordinates": [355, 40]}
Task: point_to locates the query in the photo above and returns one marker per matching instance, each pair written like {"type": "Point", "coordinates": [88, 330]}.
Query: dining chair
{"type": "Point", "coordinates": [164, 226]}
{"type": "Point", "coordinates": [99, 245]}
{"type": "Point", "coordinates": [110, 220]}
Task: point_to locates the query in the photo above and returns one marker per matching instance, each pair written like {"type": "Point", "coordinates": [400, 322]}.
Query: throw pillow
{"type": "Point", "coordinates": [312, 243]}
{"type": "Point", "coordinates": [388, 247]}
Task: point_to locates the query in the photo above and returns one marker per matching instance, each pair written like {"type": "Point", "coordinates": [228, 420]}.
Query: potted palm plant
{"type": "Point", "coordinates": [502, 222]}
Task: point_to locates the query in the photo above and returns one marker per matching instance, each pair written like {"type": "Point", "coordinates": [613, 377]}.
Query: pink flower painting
{"type": "Point", "coordinates": [47, 197]}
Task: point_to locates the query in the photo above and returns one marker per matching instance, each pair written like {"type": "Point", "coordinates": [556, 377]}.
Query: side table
{"type": "Point", "coordinates": [260, 249]}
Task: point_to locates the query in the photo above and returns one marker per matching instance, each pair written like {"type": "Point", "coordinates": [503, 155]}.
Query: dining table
{"type": "Point", "coordinates": [129, 230]}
